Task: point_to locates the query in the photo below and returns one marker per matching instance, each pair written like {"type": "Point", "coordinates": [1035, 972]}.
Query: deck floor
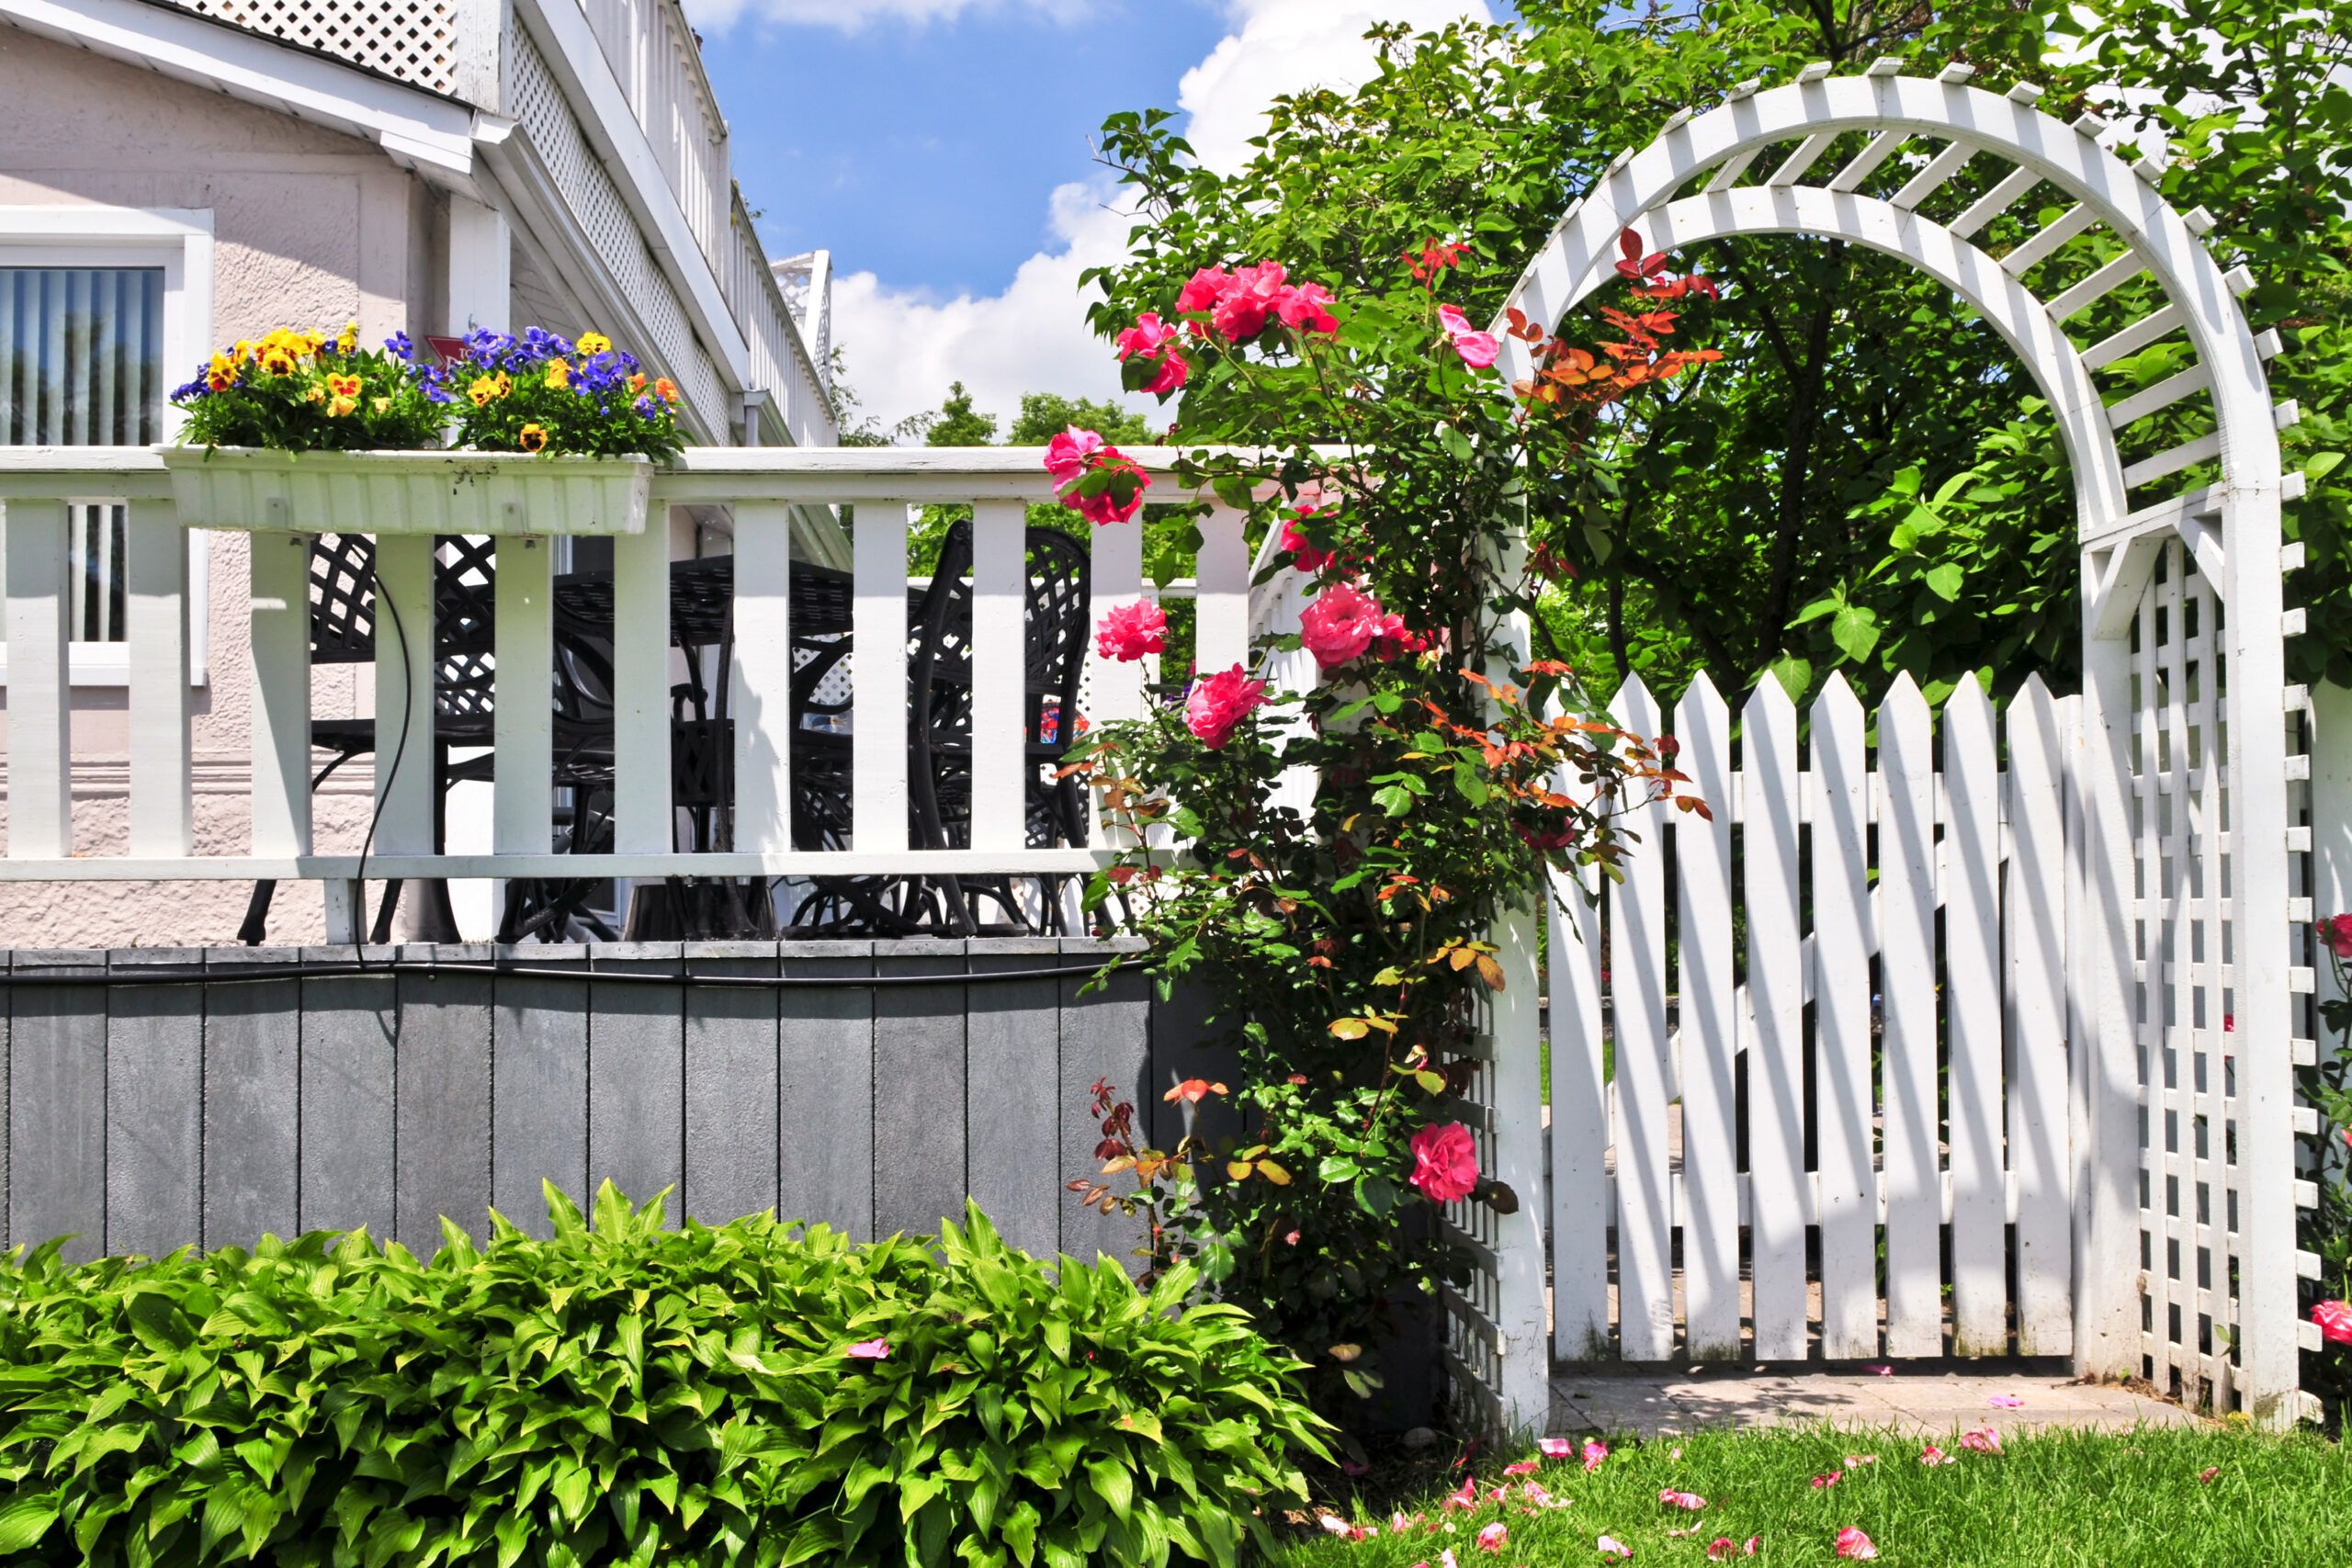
{"type": "Point", "coordinates": [1927, 1403]}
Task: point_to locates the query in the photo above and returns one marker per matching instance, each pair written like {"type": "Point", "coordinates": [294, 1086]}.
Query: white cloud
{"type": "Point", "coordinates": [904, 346]}
{"type": "Point", "coordinates": [848, 16]}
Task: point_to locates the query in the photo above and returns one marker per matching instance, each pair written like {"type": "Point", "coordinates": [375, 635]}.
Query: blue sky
{"type": "Point", "coordinates": [926, 151]}
{"type": "Point", "coordinates": [942, 151]}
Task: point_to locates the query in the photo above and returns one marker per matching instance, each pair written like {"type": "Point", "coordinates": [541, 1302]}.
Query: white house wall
{"type": "Point", "coordinates": [310, 226]}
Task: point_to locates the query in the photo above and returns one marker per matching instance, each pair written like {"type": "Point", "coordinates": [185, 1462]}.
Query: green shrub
{"type": "Point", "coordinates": [624, 1394]}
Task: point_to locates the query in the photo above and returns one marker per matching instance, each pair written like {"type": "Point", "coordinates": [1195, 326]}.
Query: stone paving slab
{"type": "Point", "coordinates": [1915, 1404]}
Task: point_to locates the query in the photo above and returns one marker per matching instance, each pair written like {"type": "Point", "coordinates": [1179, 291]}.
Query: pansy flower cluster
{"type": "Point", "coordinates": [297, 390]}
{"type": "Point", "coordinates": [541, 393]}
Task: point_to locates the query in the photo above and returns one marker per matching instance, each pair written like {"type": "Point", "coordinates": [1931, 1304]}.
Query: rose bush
{"type": "Point", "coordinates": [1350, 935]}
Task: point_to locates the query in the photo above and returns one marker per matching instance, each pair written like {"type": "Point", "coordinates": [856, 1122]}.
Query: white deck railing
{"type": "Point", "coordinates": [774, 494]}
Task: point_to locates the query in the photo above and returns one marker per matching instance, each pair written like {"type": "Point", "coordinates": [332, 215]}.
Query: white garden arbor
{"type": "Point", "coordinates": [2168, 1066]}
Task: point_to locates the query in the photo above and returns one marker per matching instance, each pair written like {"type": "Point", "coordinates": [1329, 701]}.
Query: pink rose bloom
{"type": "Point", "coordinates": [1340, 623]}
{"type": "Point", "coordinates": [1155, 339]}
{"type": "Point", "coordinates": [869, 1351]}
{"type": "Point", "coordinates": [2336, 932]}
{"type": "Point", "coordinates": [1206, 288]}
{"type": "Point", "coordinates": [1445, 1162]}
{"type": "Point", "coordinates": [1255, 293]}
{"type": "Point", "coordinates": [1308, 308]}
{"type": "Point", "coordinates": [1220, 702]}
{"type": "Point", "coordinates": [1131, 630]}
{"type": "Point", "coordinates": [1309, 557]}
{"type": "Point", "coordinates": [1105, 508]}
{"type": "Point", "coordinates": [1853, 1543]}
{"type": "Point", "coordinates": [1477, 349]}
{"type": "Point", "coordinates": [1491, 1538]}
{"type": "Point", "coordinates": [2334, 1320]}
{"type": "Point", "coordinates": [1067, 454]}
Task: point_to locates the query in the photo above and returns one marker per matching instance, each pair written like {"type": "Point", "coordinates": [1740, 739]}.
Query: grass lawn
{"type": "Point", "coordinates": [2108, 1501]}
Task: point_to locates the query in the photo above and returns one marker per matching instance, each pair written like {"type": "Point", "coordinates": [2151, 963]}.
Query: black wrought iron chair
{"type": "Point", "coordinates": [939, 766]}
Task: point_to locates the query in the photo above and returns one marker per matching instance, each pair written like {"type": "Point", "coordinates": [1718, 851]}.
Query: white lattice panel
{"type": "Point", "coordinates": [2191, 1186]}
{"type": "Point", "coordinates": [536, 100]}
{"type": "Point", "coordinates": [414, 41]}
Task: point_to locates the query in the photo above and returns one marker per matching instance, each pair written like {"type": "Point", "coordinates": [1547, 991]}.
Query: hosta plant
{"type": "Point", "coordinates": [625, 1393]}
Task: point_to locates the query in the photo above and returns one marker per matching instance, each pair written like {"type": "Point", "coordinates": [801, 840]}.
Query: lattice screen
{"type": "Point", "coordinates": [414, 41]}
{"type": "Point", "coordinates": [2193, 1201]}
{"type": "Point", "coordinates": [535, 99]}
{"type": "Point", "coordinates": [1474, 1312]}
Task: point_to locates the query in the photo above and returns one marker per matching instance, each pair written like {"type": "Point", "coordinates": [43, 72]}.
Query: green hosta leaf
{"type": "Point", "coordinates": [26, 1519]}
{"type": "Point", "coordinates": [1116, 1485]}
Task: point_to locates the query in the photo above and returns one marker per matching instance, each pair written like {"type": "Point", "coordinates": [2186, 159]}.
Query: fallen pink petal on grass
{"type": "Point", "coordinates": [1853, 1543]}
{"type": "Point", "coordinates": [1721, 1547]}
{"type": "Point", "coordinates": [1689, 1500]}
{"type": "Point", "coordinates": [1984, 1440]}
{"type": "Point", "coordinates": [1823, 1482]}
{"type": "Point", "coordinates": [2206, 1475]}
{"type": "Point", "coordinates": [1524, 1467]}
{"type": "Point", "coordinates": [1932, 1456]}
{"type": "Point", "coordinates": [1856, 1461]}
{"type": "Point", "coordinates": [1611, 1546]}
{"type": "Point", "coordinates": [1594, 1454]}
{"type": "Point", "coordinates": [1491, 1538]}
{"type": "Point", "coordinates": [1554, 1447]}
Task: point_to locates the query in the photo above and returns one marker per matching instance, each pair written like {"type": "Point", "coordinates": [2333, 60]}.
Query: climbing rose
{"type": "Point", "coordinates": [1445, 1162]}
{"type": "Point", "coordinates": [1067, 454]}
{"type": "Point", "coordinates": [2336, 932]}
{"type": "Point", "coordinates": [1477, 349]}
{"type": "Point", "coordinates": [1308, 308]}
{"type": "Point", "coordinates": [1155, 339]}
{"type": "Point", "coordinates": [2334, 1320]}
{"type": "Point", "coordinates": [1220, 702]}
{"type": "Point", "coordinates": [1340, 624]}
{"type": "Point", "coordinates": [1202, 293]}
{"type": "Point", "coordinates": [1131, 630]}
{"type": "Point", "coordinates": [1309, 557]}
{"type": "Point", "coordinates": [1852, 1543]}
{"type": "Point", "coordinates": [1253, 294]}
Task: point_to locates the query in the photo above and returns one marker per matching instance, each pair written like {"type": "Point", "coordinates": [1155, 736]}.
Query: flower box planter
{"type": "Point", "coordinates": [407, 492]}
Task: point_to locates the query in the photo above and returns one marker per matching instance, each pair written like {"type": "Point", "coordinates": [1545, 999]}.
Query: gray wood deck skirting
{"type": "Point", "coordinates": [139, 1118]}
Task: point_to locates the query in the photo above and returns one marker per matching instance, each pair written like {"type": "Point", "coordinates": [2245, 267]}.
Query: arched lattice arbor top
{"type": "Point", "coordinates": [2180, 934]}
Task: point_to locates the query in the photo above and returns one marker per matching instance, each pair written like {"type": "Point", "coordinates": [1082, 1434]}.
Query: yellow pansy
{"type": "Point", "coordinates": [382, 405]}
{"type": "Point", "coordinates": [558, 373]}
{"type": "Point", "coordinates": [348, 339]}
{"type": "Point", "coordinates": [594, 342]}
{"type": "Point", "coordinates": [344, 386]}
{"type": "Point", "coordinates": [532, 437]}
{"type": "Point", "coordinates": [340, 406]}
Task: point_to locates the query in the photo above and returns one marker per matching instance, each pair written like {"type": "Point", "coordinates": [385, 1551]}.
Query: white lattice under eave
{"type": "Point", "coordinates": [411, 40]}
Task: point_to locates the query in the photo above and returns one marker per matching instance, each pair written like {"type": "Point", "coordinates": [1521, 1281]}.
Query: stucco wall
{"type": "Point", "coordinates": [310, 228]}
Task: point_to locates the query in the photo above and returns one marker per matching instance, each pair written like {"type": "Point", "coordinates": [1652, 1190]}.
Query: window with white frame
{"type": "Point", "coordinates": [98, 308]}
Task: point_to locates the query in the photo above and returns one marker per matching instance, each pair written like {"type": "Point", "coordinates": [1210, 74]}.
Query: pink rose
{"type": "Point", "coordinates": [2336, 932]}
{"type": "Point", "coordinates": [1154, 339]}
{"type": "Point", "coordinates": [2334, 1320]}
{"type": "Point", "coordinates": [1477, 349]}
{"type": "Point", "coordinates": [1308, 308]}
{"type": "Point", "coordinates": [1340, 624]}
{"type": "Point", "coordinates": [1445, 1162]}
{"type": "Point", "coordinates": [1220, 702]}
{"type": "Point", "coordinates": [1254, 294]}
{"type": "Point", "coordinates": [1131, 630]}
{"type": "Point", "coordinates": [1067, 454]}
{"type": "Point", "coordinates": [1206, 288]}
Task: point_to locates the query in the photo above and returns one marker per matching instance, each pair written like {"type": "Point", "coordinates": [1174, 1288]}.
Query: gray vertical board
{"type": "Point", "coordinates": [8, 1000]}
{"type": "Point", "coordinates": [919, 1173]}
{"type": "Point", "coordinates": [252, 1033]}
{"type": "Point", "coordinates": [825, 1150]}
{"type": "Point", "coordinates": [731, 1095]}
{"type": "Point", "coordinates": [57, 1105]}
{"type": "Point", "coordinates": [154, 1103]}
{"type": "Point", "coordinates": [350, 1038]}
{"type": "Point", "coordinates": [637, 1075]}
{"type": "Point", "coordinates": [1106, 1035]}
{"type": "Point", "coordinates": [1012, 1114]}
{"type": "Point", "coordinates": [1190, 1038]}
{"type": "Point", "coordinates": [538, 1097]}
{"type": "Point", "coordinates": [441, 1099]}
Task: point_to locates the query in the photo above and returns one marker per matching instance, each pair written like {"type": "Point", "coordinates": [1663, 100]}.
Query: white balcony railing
{"type": "Point", "coordinates": [765, 489]}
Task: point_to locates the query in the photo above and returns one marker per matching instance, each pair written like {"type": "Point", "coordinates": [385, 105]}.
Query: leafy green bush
{"type": "Point", "coordinates": [624, 1393]}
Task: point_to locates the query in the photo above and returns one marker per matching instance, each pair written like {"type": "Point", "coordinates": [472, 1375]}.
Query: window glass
{"type": "Point", "coordinates": [82, 365]}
